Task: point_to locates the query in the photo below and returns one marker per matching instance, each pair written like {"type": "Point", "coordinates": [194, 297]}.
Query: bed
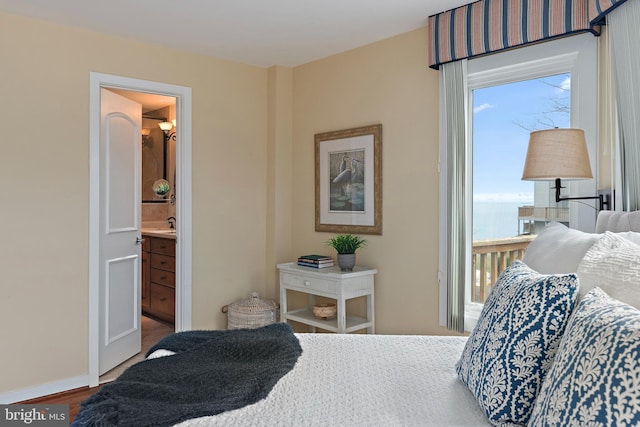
{"type": "Point", "coordinates": [570, 288]}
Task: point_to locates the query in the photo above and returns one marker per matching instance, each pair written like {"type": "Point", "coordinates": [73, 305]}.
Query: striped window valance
{"type": "Point", "coordinates": [492, 25]}
{"type": "Point", "coordinates": [598, 9]}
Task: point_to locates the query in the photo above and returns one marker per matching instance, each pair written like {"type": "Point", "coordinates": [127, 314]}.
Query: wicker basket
{"type": "Point", "coordinates": [251, 313]}
{"type": "Point", "coordinates": [325, 311]}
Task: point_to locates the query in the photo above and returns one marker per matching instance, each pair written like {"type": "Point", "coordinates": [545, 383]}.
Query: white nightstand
{"type": "Point", "coordinates": [331, 283]}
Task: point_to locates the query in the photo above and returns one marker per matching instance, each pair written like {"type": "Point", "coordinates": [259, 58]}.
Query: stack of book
{"type": "Point", "coordinates": [315, 261]}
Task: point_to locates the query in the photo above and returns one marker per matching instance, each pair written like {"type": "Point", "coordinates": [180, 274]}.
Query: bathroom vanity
{"type": "Point", "coordinates": [158, 275]}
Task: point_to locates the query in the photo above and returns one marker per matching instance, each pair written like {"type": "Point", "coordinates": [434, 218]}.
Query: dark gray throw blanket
{"type": "Point", "coordinates": [211, 372]}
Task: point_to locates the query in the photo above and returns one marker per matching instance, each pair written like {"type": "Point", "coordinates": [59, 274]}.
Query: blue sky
{"type": "Point", "coordinates": [499, 139]}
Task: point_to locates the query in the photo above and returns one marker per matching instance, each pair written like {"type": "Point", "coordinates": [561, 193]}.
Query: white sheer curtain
{"type": "Point", "coordinates": [608, 153]}
{"type": "Point", "coordinates": [453, 265]}
{"type": "Point", "coordinates": [623, 25]}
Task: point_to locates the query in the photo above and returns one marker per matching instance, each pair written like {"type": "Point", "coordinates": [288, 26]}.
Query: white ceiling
{"type": "Point", "coordinates": [256, 32]}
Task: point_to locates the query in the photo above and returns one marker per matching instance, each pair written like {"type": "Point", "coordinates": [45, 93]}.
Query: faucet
{"type": "Point", "coordinates": [172, 222]}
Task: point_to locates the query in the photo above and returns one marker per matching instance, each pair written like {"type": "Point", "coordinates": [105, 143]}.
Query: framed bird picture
{"type": "Point", "coordinates": [348, 169]}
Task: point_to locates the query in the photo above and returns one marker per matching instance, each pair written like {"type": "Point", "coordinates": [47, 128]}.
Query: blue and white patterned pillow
{"type": "Point", "coordinates": [595, 377]}
{"type": "Point", "coordinates": [513, 344]}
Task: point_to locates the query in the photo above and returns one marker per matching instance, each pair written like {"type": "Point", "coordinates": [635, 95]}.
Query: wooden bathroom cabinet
{"type": "Point", "coordinates": [158, 277]}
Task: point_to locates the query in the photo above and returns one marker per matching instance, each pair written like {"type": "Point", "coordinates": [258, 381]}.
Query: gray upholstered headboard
{"type": "Point", "coordinates": [618, 221]}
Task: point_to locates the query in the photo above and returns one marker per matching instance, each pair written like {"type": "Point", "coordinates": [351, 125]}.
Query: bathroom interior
{"type": "Point", "coordinates": [159, 224]}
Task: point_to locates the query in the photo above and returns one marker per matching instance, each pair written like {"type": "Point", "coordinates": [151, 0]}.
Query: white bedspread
{"type": "Point", "coordinates": [365, 380]}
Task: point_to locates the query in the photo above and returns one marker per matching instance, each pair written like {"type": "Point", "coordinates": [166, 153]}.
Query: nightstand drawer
{"type": "Point", "coordinates": [309, 283]}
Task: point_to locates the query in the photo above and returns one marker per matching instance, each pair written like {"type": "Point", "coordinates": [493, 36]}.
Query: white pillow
{"type": "Point", "coordinates": [558, 249]}
{"type": "Point", "coordinates": [613, 265]}
{"type": "Point", "coordinates": [630, 235]}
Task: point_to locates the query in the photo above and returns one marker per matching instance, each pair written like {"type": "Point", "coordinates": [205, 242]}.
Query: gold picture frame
{"type": "Point", "coordinates": [348, 172]}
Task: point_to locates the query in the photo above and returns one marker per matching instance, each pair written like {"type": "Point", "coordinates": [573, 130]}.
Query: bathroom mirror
{"type": "Point", "coordinates": [158, 161]}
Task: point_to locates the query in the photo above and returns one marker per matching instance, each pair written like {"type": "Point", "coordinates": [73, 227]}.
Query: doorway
{"type": "Point", "coordinates": [153, 330]}
{"type": "Point", "coordinates": [183, 206]}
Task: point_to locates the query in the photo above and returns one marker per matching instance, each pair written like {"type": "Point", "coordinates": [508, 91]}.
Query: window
{"type": "Point", "coordinates": [506, 210]}
{"type": "Point", "coordinates": [505, 92]}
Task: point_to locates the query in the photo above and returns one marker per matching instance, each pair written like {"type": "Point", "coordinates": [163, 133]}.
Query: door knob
{"type": "Point", "coordinates": [139, 240]}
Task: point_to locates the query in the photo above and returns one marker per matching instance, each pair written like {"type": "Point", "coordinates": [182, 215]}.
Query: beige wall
{"type": "Point", "coordinates": [252, 172]}
{"type": "Point", "coordinates": [253, 180]}
{"type": "Point", "coordinates": [388, 83]}
{"type": "Point", "coordinates": [44, 170]}
{"type": "Point", "coordinates": [279, 174]}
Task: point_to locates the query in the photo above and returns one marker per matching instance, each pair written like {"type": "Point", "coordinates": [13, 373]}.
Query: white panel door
{"type": "Point", "coordinates": [120, 250]}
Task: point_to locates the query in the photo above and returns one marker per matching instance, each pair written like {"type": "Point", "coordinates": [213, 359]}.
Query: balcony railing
{"type": "Point", "coordinates": [490, 258]}
{"type": "Point", "coordinates": [543, 214]}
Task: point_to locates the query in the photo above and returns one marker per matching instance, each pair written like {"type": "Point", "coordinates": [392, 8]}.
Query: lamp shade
{"type": "Point", "coordinates": [557, 153]}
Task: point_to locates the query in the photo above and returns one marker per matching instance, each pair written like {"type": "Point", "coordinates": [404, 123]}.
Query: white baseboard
{"type": "Point", "coordinates": [43, 390]}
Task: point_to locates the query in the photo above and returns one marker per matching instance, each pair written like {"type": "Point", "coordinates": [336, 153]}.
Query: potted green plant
{"type": "Point", "coordinates": [346, 245]}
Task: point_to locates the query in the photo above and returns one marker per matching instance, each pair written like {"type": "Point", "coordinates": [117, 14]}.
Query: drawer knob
{"type": "Point", "coordinates": [307, 283]}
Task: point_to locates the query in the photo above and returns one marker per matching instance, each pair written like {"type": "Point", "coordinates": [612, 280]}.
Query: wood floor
{"type": "Point", "coordinates": [73, 398]}
{"type": "Point", "coordinates": [152, 332]}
